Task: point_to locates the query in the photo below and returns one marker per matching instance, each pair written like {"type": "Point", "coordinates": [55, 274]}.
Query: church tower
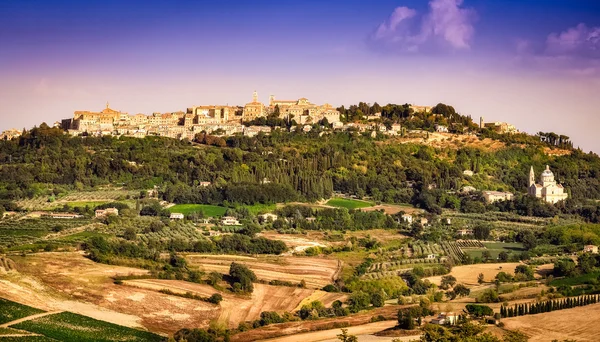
{"type": "Point", "coordinates": [531, 177]}
{"type": "Point", "coordinates": [255, 97]}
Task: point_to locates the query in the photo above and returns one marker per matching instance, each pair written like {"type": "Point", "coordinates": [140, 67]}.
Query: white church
{"type": "Point", "coordinates": [548, 190]}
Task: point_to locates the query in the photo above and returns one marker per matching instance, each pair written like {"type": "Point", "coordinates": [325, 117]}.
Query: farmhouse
{"type": "Point", "coordinates": [407, 218]}
{"type": "Point", "coordinates": [230, 221]}
{"type": "Point", "coordinates": [445, 318]}
{"type": "Point", "coordinates": [176, 216]}
{"type": "Point", "coordinates": [464, 232]}
{"type": "Point", "coordinates": [590, 249]}
{"type": "Point", "coordinates": [495, 196]}
{"type": "Point", "coordinates": [106, 212]}
{"type": "Point", "coordinates": [67, 216]}
{"type": "Point", "coordinates": [431, 256]}
{"type": "Point", "coordinates": [266, 217]}
{"type": "Point", "coordinates": [204, 184]}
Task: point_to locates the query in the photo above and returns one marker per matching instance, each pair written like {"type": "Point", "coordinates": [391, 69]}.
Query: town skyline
{"type": "Point", "coordinates": [503, 61]}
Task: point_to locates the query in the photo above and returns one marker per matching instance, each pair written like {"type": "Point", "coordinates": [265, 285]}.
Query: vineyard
{"type": "Point", "coordinates": [19, 232]}
{"type": "Point", "coordinates": [470, 244]}
{"type": "Point", "coordinates": [453, 251]}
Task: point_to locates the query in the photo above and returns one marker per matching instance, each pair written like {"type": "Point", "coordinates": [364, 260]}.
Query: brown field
{"type": "Point", "coordinates": [236, 309]}
{"type": "Point", "coordinates": [576, 324]}
{"type": "Point", "coordinates": [315, 271]}
{"type": "Point", "coordinates": [393, 209]}
{"type": "Point", "coordinates": [446, 140]}
{"type": "Point", "coordinates": [468, 274]}
{"type": "Point", "coordinates": [331, 334]}
{"type": "Point", "coordinates": [68, 281]}
{"type": "Point", "coordinates": [390, 312]}
{"type": "Point", "coordinates": [295, 242]}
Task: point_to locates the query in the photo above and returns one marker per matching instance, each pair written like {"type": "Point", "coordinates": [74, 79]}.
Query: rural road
{"type": "Point", "coordinates": [28, 318]}
{"type": "Point", "coordinates": [325, 335]}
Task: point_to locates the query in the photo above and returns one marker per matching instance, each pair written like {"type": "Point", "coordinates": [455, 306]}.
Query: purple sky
{"type": "Point", "coordinates": [534, 64]}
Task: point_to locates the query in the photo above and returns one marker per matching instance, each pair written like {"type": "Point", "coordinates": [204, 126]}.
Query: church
{"type": "Point", "coordinates": [548, 190]}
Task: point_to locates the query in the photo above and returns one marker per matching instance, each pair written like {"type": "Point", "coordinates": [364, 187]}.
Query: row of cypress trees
{"type": "Point", "coordinates": [547, 306]}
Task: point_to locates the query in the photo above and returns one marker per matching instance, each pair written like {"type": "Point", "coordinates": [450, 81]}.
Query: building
{"type": "Point", "coordinates": [420, 109]}
{"type": "Point", "coordinates": [468, 173]}
{"type": "Point", "coordinates": [177, 216]}
{"type": "Point", "coordinates": [441, 129]}
{"type": "Point", "coordinates": [495, 196]}
{"type": "Point", "coordinates": [464, 232]}
{"type": "Point", "coordinates": [548, 189]}
{"type": "Point", "coordinates": [230, 221]}
{"type": "Point", "coordinates": [204, 184]}
{"type": "Point", "coordinates": [467, 189]}
{"type": "Point", "coordinates": [64, 216]}
{"type": "Point", "coordinates": [431, 256]}
{"type": "Point", "coordinates": [590, 249]}
{"type": "Point", "coordinates": [408, 218]}
{"type": "Point", "coordinates": [106, 212]}
{"type": "Point", "coordinates": [254, 109]}
{"type": "Point", "coordinates": [445, 318]}
{"type": "Point", "coordinates": [501, 127]}
{"type": "Point", "coordinates": [267, 217]}
{"type": "Point", "coordinates": [10, 134]}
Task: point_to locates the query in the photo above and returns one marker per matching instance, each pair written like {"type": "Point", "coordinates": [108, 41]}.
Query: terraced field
{"type": "Point", "coordinates": [316, 272]}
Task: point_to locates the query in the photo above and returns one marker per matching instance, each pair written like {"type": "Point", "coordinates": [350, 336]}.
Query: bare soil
{"type": "Point", "coordinates": [575, 324]}
{"type": "Point", "coordinates": [315, 271]}
{"type": "Point", "coordinates": [468, 274]}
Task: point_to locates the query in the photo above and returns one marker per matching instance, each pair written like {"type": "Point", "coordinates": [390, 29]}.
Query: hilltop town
{"type": "Point", "coordinates": [225, 120]}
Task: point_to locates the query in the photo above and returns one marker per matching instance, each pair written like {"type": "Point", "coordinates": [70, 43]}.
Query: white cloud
{"type": "Point", "coordinates": [445, 22]}
{"type": "Point", "coordinates": [579, 41]}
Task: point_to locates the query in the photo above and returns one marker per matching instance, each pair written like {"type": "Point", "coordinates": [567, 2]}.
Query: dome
{"type": "Point", "coordinates": [547, 172]}
{"type": "Point", "coordinates": [547, 175]}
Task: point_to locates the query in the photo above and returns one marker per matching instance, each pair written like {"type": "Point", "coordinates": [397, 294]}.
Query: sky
{"type": "Point", "coordinates": [532, 63]}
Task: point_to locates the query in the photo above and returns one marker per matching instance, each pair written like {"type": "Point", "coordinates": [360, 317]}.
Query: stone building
{"type": "Point", "coordinates": [548, 189]}
{"type": "Point", "coordinates": [254, 109]}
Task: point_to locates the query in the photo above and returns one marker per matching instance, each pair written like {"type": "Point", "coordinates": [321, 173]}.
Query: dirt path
{"type": "Point", "coordinates": [332, 334]}
{"type": "Point", "coordinates": [28, 318]}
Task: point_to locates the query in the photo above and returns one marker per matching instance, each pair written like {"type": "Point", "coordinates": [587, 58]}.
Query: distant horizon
{"type": "Point", "coordinates": [534, 65]}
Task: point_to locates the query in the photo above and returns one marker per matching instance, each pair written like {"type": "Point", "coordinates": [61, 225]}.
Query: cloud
{"type": "Point", "coordinates": [576, 41]}
{"type": "Point", "coordinates": [445, 24]}
{"type": "Point", "coordinates": [574, 51]}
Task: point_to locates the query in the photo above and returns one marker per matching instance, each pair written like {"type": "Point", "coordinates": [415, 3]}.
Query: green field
{"type": "Point", "coordinates": [260, 208]}
{"type": "Point", "coordinates": [573, 281]}
{"type": "Point", "coordinates": [67, 326]}
{"type": "Point", "coordinates": [495, 248]}
{"type": "Point", "coordinates": [208, 210]}
{"type": "Point", "coordinates": [10, 311]}
{"type": "Point", "coordinates": [348, 203]}
{"type": "Point", "coordinates": [215, 210]}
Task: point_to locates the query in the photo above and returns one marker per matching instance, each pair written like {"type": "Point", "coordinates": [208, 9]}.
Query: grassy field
{"type": "Point", "coordinates": [68, 326]}
{"type": "Point", "coordinates": [348, 203]}
{"type": "Point", "coordinates": [573, 281]}
{"type": "Point", "coordinates": [208, 210]}
{"type": "Point", "coordinates": [495, 248]}
{"type": "Point", "coordinates": [10, 311]}
{"type": "Point", "coordinates": [82, 236]}
{"type": "Point", "coordinates": [214, 210]}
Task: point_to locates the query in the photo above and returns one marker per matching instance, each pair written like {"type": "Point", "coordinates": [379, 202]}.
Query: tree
{"type": "Point", "coordinates": [527, 238]}
{"type": "Point", "coordinates": [486, 256]}
{"type": "Point", "coordinates": [359, 301]}
{"type": "Point", "coordinates": [503, 256]}
{"type": "Point", "coordinates": [130, 234]}
{"type": "Point", "coordinates": [461, 290]}
{"type": "Point", "coordinates": [447, 281]}
{"type": "Point", "coordinates": [480, 278]}
{"type": "Point", "coordinates": [242, 277]}
{"type": "Point", "coordinates": [524, 272]}
{"type": "Point", "coordinates": [216, 298]}
{"type": "Point", "coordinates": [345, 337]}
{"type": "Point", "coordinates": [586, 262]}
{"type": "Point", "coordinates": [378, 299]}
{"type": "Point", "coordinates": [564, 267]}
{"type": "Point", "coordinates": [482, 232]}
{"type": "Point", "coordinates": [405, 319]}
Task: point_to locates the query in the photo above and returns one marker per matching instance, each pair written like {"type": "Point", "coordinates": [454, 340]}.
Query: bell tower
{"type": "Point", "coordinates": [531, 177]}
{"type": "Point", "coordinates": [255, 97]}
